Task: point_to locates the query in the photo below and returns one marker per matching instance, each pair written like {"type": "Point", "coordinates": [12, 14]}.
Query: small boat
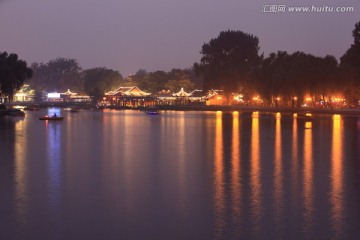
{"type": "Point", "coordinates": [16, 112]}
{"type": "Point", "coordinates": [306, 116]}
{"type": "Point", "coordinates": [53, 118]}
{"type": "Point", "coordinates": [72, 109]}
{"type": "Point", "coordinates": [31, 108]}
{"type": "Point", "coordinates": [152, 112]}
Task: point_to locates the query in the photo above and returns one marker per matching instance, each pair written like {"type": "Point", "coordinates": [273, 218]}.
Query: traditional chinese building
{"type": "Point", "coordinates": [165, 97]}
{"type": "Point", "coordinates": [25, 94]}
{"type": "Point", "coordinates": [215, 97]}
{"type": "Point", "coordinates": [129, 97]}
{"type": "Point", "coordinates": [198, 96]}
{"type": "Point", "coordinates": [69, 96]}
{"type": "Point", "coordinates": [182, 97]}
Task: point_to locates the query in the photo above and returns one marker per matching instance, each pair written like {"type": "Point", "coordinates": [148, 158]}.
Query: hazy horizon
{"type": "Point", "coordinates": [163, 34]}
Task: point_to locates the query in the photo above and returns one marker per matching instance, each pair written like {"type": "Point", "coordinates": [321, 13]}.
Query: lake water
{"type": "Point", "coordinates": [179, 175]}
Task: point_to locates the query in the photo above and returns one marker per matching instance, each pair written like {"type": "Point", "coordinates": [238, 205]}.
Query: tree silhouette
{"type": "Point", "coordinates": [227, 61]}
{"type": "Point", "coordinates": [296, 75]}
{"type": "Point", "coordinates": [356, 33]}
{"type": "Point", "coordinates": [59, 74]}
{"type": "Point", "coordinates": [97, 81]}
{"type": "Point", "coordinates": [13, 73]}
{"type": "Point", "coordinates": [350, 68]}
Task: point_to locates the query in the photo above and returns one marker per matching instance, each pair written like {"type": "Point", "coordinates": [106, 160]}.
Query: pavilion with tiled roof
{"type": "Point", "coordinates": [129, 97]}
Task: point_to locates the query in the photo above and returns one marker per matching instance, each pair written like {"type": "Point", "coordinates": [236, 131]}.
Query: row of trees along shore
{"type": "Point", "coordinates": [230, 62]}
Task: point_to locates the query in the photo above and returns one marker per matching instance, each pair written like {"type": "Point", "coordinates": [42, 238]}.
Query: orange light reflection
{"type": "Point", "coordinates": [336, 178]}
{"type": "Point", "coordinates": [255, 171]}
{"type": "Point", "coordinates": [308, 177]}
{"type": "Point", "coordinates": [219, 177]}
{"type": "Point", "coordinates": [295, 162]}
{"type": "Point", "coordinates": [235, 158]}
{"type": "Point", "coordinates": [278, 174]}
{"type": "Point", "coordinates": [20, 173]}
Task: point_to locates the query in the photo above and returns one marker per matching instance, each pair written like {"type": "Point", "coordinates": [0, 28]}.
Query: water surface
{"type": "Point", "coordinates": [179, 175]}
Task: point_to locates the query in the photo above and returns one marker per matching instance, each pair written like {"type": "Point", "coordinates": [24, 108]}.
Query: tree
{"type": "Point", "coordinates": [57, 75]}
{"type": "Point", "coordinates": [159, 80]}
{"type": "Point", "coordinates": [180, 78]}
{"type": "Point", "coordinates": [350, 68]}
{"type": "Point", "coordinates": [13, 73]}
{"type": "Point", "coordinates": [296, 75]}
{"type": "Point", "coordinates": [154, 81]}
{"type": "Point", "coordinates": [356, 34]}
{"type": "Point", "coordinates": [228, 60]}
{"type": "Point", "coordinates": [97, 81]}
{"type": "Point", "coordinates": [176, 85]}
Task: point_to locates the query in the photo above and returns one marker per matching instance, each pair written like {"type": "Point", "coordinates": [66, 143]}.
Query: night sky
{"type": "Point", "coordinates": [127, 35]}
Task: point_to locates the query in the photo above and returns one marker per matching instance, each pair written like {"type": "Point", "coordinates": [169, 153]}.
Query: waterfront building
{"type": "Point", "coordinates": [25, 94]}
{"type": "Point", "coordinates": [69, 96]}
{"type": "Point", "coordinates": [215, 97]}
{"type": "Point", "coordinates": [165, 97]}
{"type": "Point", "coordinates": [182, 97]}
{"type": "Point", "coordinates": [128, 97]}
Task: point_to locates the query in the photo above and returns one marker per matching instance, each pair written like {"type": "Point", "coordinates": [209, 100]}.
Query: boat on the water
{"type": "Point", "coordinates": [152, 112]}
{"type": "Point", "coordinates": [305, 116]}
{"type": "Point", "coordinates": [16, 112]}
{"type": "Point", "coordinates": [53, 118]}
{"type": "Point", "coordinates": [31, 108]}
{"type": "Point", "coordinates": [74, 109]}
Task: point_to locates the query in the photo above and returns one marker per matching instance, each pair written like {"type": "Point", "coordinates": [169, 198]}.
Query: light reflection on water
{"type": "Point", "coordinates": [180, 175]}
{"type": "Point", "coordinates": [219, 196]}
{"type": "Point", "coordinates": [255, 173]}
{"type": "Point", "coordinates": [236, 169]}
{"type": "Point", "coordinates": [20, 173]}
{"type": "Point", "coordinates": [54, 165]}
{"type": "Point", "coordinates": [308, 178]}
{"type": "Point", "coordinates": [336, 177]}
{"type": "Point", "coordinates": [278, 175]}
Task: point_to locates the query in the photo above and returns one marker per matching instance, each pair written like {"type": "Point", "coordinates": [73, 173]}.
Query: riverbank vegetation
{"type": "Point", "coordinates": [14, 72]}
{"type": "Point", "coordinates": [231, 62]}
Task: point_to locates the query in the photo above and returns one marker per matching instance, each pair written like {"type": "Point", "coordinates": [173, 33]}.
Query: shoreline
{"type": "Point", "coordinates": [262, 109]}
{"type": "Point", "coordinates": [289, 110]}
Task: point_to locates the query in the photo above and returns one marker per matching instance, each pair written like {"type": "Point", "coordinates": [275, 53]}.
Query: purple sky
{"type": "Point", "coordinates": [127, 35]}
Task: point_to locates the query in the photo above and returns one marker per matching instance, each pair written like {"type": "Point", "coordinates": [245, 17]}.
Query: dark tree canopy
{"type": "Point", "coordinates": [227, 60]}
{"type": "Point", "coordinates": [97, 81]}
{"type": "Point", "coordinates": [350, 61]}
{"type": "Point", "coordinates": [160, 80]}
{"type": "Point", "coordinates": [350, 68]}
{"type": "Point", "coordinates": [356, 33]}
{"type": "Point", "coordinates": [13, 73]}
{"type": "Point", "coordinates": [297, 74]}
{"type": "Point", "coordinates": [57, 75]}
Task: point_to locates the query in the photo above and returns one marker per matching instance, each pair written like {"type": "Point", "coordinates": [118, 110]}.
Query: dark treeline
{"type": "Point", "coordinates": [62, 74]}
{"type": "Point", "coordinates": [13, 73]}
{"type": "Point", "coordinates": [295, 75]}
{"type": "Point", "coordinates": [231, 62]}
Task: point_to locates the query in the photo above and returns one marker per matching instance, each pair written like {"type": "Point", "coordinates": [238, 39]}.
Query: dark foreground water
{"type": "Point", "coordinates": [179, 175]}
